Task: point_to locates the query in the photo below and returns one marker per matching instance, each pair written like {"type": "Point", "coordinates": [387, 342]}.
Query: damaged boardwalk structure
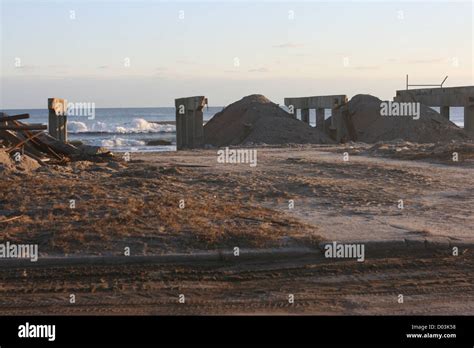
{"type": "Point", "coordinates": [319, 104]}
{"type": "Point", "coordinates": [444, 98]}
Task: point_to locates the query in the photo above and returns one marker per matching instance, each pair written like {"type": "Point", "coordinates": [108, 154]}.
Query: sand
{"type": "Point", "coordinates": [24, 165]}
{"type": "Point", "coordinates": [255, 119]}
{"type": "Point", "coordinates": [6, 164]}
{"type": "Point", "coordinates": [136, 204]}
{"type": "Point", "coordinates": [364, 123]}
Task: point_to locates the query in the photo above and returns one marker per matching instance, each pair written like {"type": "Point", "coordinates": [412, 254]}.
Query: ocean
{"type": "Point", "coordinates": [130, 129]}
{"type": "Point", "coordinates": [121, 129]}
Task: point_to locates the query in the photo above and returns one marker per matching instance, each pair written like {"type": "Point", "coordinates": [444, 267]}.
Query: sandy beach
{"type": "Point", "coordinates": [185, 249]}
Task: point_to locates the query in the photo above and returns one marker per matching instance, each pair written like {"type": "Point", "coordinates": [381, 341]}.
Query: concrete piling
{"type": "Point", "coordinates": [444, 111]}
{"type": "Point", "coordinates": [294, 114]}
{"type": "Point", "coordinates": [305, 115]}
{"type": "Point", "coordinates": [320, 119]}
{"type": "Point", "coordinates": [320, 103]}
{"type": "Point", "coordinates": [469, 119]}
{"type": "Point", "coordinates": [189, 122]}
{"type": "Point", "coordinates": [57, 118]}
{"type": "Point", "coordinates": [336, 124]}
{"type": "Point", "coordinates": [445, 97]}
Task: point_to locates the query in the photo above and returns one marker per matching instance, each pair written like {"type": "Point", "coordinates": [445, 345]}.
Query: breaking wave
{"type": "Point", "coordinates": [137, 125]}
{"type": "Point", "coordinates": [119, 142]}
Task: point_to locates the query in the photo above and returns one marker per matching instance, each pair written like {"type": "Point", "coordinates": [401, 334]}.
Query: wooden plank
{"type": "Point", "coordinates": [37, 145]}
{"type": "Point", "coordinates": [24, 127]}
{"type": "Point", "coordinates": [32, 146]}
{"type": "Point", "coordinates": [12, 138]}
{"type": "Point", "coordinates": [41, 146]}
{"type": "Point", "coordinates": [57, 145]}
{"type": "Point", "coordinates": [36, 158]}
{"type": "Point", "coordinates": [12, 218]}
{"type": "Point", "coordinates": [6, 118]}
{"type": "Point", "coordinates": [47, 148]}
{"type": "Point", "coordinates": [30, 137]}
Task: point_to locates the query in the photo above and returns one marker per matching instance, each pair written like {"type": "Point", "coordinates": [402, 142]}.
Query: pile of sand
{"type": "Point", "coordinates": [8, 165]}
{"type": "Point", "coordinates": [362, 122]}
{"type": "Point", "coordinates": [255, 119]}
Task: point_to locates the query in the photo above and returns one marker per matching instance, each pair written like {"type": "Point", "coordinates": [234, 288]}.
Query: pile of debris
{"type": "Point", "coordinates": [21, 144]}
{"type": "Point", "coordinates": [454, 152]}
{"type": "Point", "coordinates": [254, 120]}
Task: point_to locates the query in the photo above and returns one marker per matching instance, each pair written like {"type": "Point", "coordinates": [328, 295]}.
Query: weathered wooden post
{"type": "Point", "coordinates": [189, 122]}
{"type": "Point", "coordinates": [57, 118]}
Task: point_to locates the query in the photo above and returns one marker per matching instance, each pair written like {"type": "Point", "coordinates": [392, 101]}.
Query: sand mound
{"type": "Point", "coordinates": [363, 122]}
{"type": "Point", "coordinates": [8, 165]}
{"type": "Point", "coordinates": [255, 119]}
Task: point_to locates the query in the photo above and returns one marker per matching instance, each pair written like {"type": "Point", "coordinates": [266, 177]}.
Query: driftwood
{"type": "Point", "coordinates": [58, 146]}
{"type": "Point", "coordinates": [30, 137]}
{"type": "Point", "coordinates": [13, 138]}
{"type": "Point", "coordinates": [5, 118]}
{"type": "Point", "coordinates": [38, 144]}
{"type": "Point", "coordinates": [25, 127]}
{"type": "Point", "coordinates": [11, 219]}
{"type": "Point", "coordinates": [32, 141]}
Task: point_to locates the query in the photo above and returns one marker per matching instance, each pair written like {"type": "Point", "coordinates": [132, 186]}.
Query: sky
{"type": "Point", "coordinates": [147, 53]}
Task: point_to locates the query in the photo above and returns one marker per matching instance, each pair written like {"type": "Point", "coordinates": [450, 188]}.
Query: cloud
{"type": "Point", "coordinates": [425, 61]}
{"type": "Point", "coordinates": [186, 61]}
{"type": "Point", "coordinates": [259, 70]}
{"type": "Point", "coordinates": [27, 67]}
{"type": "Point", "coordinates": [366, 67]}
{"type": "Point", "coordinates": [288, 45]}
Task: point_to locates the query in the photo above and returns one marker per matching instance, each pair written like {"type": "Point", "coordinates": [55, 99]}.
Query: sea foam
{"type": "Point", "coordinates": [137, 125]}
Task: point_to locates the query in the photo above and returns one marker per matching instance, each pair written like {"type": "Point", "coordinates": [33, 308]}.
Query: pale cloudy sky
{"type": "Point", "coordinates": [146, 53]}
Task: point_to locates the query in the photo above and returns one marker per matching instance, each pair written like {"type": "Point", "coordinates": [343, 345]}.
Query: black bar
{"type": "Point", "coordinates": [292, 330]}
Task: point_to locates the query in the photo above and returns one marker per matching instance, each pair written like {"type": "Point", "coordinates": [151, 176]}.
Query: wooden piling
{"type": "Point", "coordinates": [189, 122]}
{"type": "Point", "coordinates": [57, 118]}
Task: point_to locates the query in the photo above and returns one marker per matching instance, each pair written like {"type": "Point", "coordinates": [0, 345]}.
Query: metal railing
{"type": "Point", "coordinates": [433, 85]}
